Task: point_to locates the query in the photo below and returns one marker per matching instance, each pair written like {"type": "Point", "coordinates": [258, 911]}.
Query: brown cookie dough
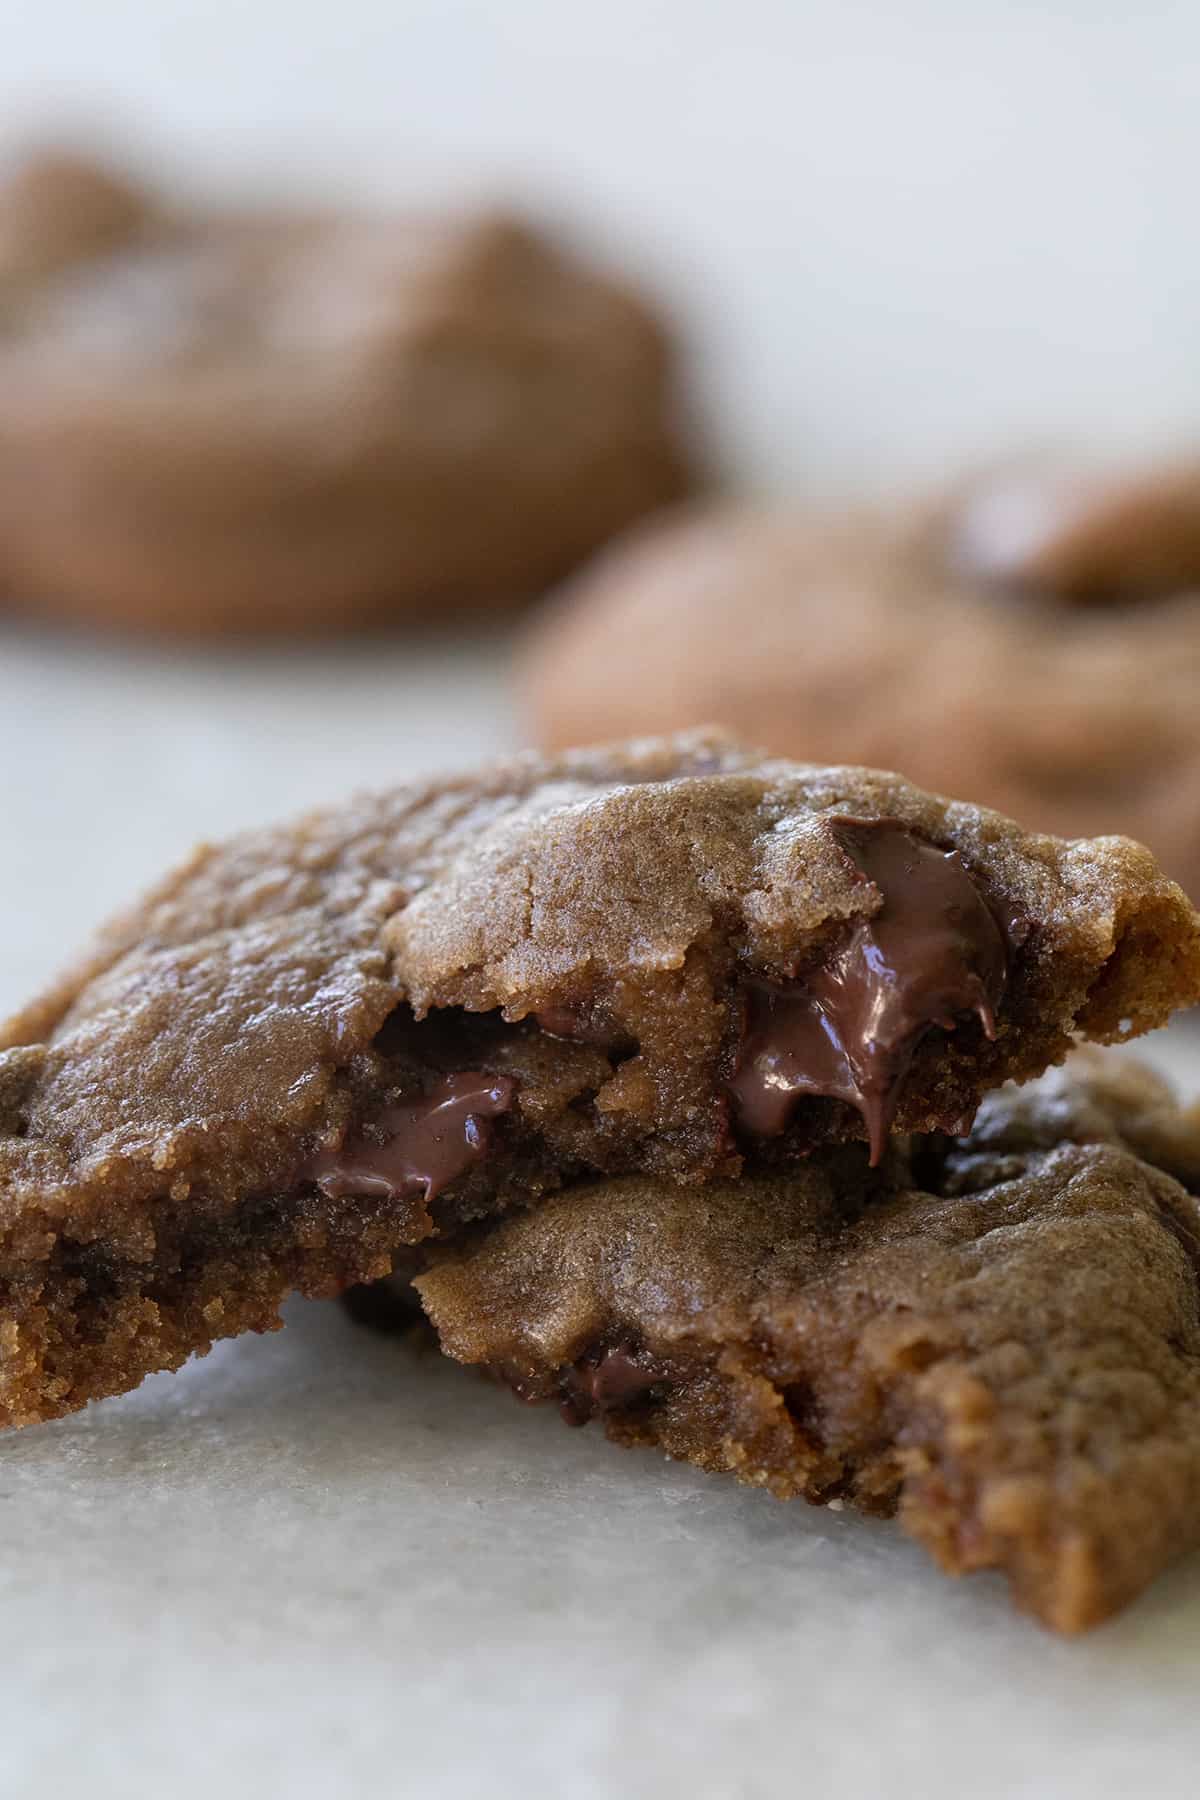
{"type": "Point", "coordinates": [1094, 1098]}
{"type": "Point", "coordinates": [938, 641]}
{"type": "Point", "coordinates": [998, 1340]}
{"type": "Point", "coordinates": [289, 423]}
{"type": "Point", "coordinates": [313, 1045]}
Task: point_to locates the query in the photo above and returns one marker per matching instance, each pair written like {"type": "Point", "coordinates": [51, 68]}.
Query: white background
{"type": "Point", "coordinates": [897, 234]}
{"type": "Point", "coordinates": [899, 230]}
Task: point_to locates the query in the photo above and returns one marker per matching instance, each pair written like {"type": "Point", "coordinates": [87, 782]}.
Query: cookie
{"type": "Point", "coordinates": [997, 1340]}
{"type": "Point", "coordinates": [276, 423]}
{"type": "Point", "coordinates": [316, 1044]}
{"type": "Point", "coordinates": [58, 209]}
{"type": "Point", "coordinates": [967, 644]}
{"type": "Point", "coordinates": [1085, 540]}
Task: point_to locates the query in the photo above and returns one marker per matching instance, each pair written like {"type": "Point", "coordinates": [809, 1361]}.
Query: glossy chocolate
{"type": "Point", "coordinates": [931, 954]}
{"type": "Point", "coordinates": [618, 1377]}
{"type": "Point", "coordinates": [427, 1142]}
{"type": "Point", "coordinates": [582, 1025]}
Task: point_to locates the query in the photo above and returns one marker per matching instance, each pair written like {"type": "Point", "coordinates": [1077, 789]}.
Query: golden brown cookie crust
{"type": "Point", "coordinates": [572, 937]}
{"type": "Point", "coordinates": [294, 423]}
{"type": "Point", "coordinates": [998, 1339]}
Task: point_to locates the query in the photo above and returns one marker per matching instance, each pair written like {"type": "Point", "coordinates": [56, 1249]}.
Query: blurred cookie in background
{"type": "Point", "coordinates": [278, 422]}
{"type": "Point", "coordinates": [1052, 669]}
{"type": "Point", "coordinates": [58, 208]}
{"type": "Point", "coordinates": [1086, 539]}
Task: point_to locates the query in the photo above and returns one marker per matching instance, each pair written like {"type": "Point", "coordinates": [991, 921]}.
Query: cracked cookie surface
{"type": "Point", "coordinates": [1033, 640]}
{"type": "Point", "coordinates": [317, 1044]}
{"type": "Point", "coordinates": [996, 1338]}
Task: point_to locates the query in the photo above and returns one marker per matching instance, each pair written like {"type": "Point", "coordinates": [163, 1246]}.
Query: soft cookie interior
{"type": "Point", "coordinates": [316, 1046]}
{"type": "Point", "coordinates": [994, 1340]}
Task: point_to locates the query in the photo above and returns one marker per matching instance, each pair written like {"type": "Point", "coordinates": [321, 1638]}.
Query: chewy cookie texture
{"type": "Point", "coordinates": [671, 960]}
{"type": "Point", "coordinates": [996, 1338]}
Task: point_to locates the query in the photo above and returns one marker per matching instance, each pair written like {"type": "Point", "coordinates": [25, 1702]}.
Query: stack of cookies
{"type": "Point", "coordinates": [674, 1085]}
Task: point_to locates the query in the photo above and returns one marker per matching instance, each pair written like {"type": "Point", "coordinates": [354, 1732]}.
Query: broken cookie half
{"type": "Point", "coordinates": [998, 1339]}
{"type": "Point", "coordinates": [315, 1045]}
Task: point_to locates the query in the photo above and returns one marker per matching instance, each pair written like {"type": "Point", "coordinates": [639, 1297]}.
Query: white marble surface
{"type": "Point", "coordinates": [313, 1565]}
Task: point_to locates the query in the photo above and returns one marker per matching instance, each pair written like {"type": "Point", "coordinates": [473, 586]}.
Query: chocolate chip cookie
{"type": "Point", "coordinates": [262, 423]}
{"type": "Point", "coordinates": [313, 1045]}
{"type": "Point", "coordinates": [996, 1338]}
{"type": "Point", "coordinates": [1033, 640]}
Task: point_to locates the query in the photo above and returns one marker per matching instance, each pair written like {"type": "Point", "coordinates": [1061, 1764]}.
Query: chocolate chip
{"type": "Point", "coordinates": [427, 1142]}
{"type": "Point", "coordinates": [584, 1025]}
{"type": "Point", "coordinates": [931, 953]}
{"type": "Point", "coordinates": [618, 1379]}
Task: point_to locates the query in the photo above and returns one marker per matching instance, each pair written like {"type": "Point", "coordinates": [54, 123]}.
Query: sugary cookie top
{"type": "Point", "coordinates": [883, 636]}
{"type": "Point", "coordinates": [212, 1025]}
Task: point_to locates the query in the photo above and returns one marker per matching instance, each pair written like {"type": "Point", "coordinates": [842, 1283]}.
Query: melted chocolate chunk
{"type": "Point", "coordinates": [932, 953]}
{"type": "Point", "coordinates": [619, 1379]}
{"type": "Point", "coordinates": [428, 1142]}
{"type": "Point", "coordinates": [582, 1025]}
